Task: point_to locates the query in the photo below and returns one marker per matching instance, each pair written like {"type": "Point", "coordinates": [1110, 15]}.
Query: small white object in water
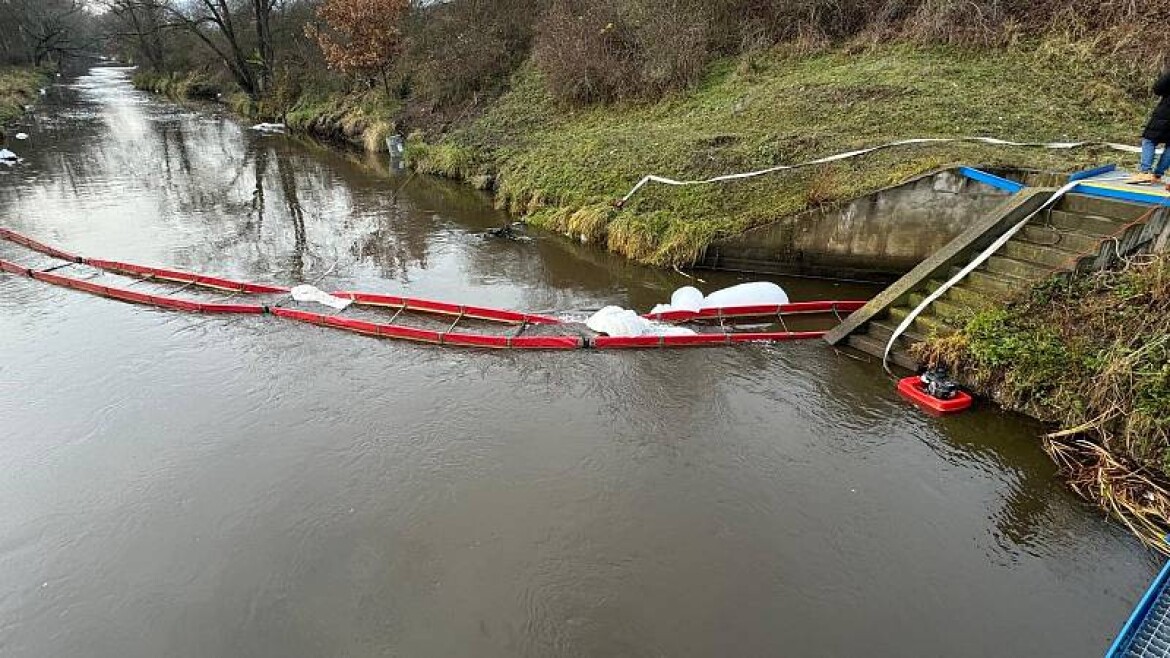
{"type": "Point", "coordinates": [5, 154]}
{"type": "Point", "coordinates": [268, 128]}
{"type": "Point", "coordinates": [618, 321]}
{"type": "Point", "coordinates": [307, 293]}
{"type": "Point", "coordinates": [21, 136]}
{"type": "Point", "coordinates": [42, 91]}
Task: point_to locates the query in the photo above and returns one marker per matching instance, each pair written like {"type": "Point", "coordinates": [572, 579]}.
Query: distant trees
{"type": "Point", "coordinates": [238, 33]}
{"type": "Point", "coordinates": [360, 36]}
{"type": "Point", "coordinates": [446, 54]}
{"type": "Point", "coordinates": [36, 31]}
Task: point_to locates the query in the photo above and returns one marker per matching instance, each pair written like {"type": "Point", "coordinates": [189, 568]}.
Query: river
{"type": "Point", "coordinates": [178, 485]}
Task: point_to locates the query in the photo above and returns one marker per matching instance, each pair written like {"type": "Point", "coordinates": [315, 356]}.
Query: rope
{"type": "Point", "coordinates": [1124, 148]}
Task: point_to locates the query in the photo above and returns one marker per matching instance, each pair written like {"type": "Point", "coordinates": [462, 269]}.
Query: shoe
{"type": "Point", "coordinates": [1142, 179]}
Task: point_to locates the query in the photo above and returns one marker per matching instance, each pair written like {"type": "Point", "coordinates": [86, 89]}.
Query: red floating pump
{"type": "Point", "coordinates": [914, 389]}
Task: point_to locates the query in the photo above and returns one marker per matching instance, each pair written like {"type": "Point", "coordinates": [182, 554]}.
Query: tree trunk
{"type": "Point", "coordinates": [263, 13]}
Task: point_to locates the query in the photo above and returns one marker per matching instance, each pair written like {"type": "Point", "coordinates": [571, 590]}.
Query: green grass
{"type": "Point", "coordinates": [18, 87]}
{"type": "Point", "coordinates": [1071, 352]}
{"type": "Point", "coordinates": [364, 118]}
{"type": "Point", "coordinates": [1091, 356]}
{"type": "Point", "coordinates": [564, 166]}
{"type": "Point", "coordinates": [180, 85]}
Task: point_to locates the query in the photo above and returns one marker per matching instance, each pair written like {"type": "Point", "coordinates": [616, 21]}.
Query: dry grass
{"type": "Point", "coordinates": [1136, 496]}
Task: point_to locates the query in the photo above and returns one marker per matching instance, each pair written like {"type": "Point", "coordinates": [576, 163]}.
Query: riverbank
{"type": "Point", "coordinates": [358, 118]}
{"type": "Point", "coordinates": [18, 89]}
{"type": "Point", "coordinates": [563, 167]}
{"type": "Point", "coordinates": [1090, 357]}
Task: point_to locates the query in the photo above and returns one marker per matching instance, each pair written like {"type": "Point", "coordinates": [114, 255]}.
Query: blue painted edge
{"type": "Point", "coordinates": [998, 182]}
{"type": "Point", "coordinates": [1092, 173]}
{"type": "Point", "coordinates": [1121, 643]}
{"type": "Point", "coordinates": [1122, 195]}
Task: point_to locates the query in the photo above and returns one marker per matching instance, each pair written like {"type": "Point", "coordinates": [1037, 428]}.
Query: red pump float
{"type": "Point", "coordinates": [914, 390]}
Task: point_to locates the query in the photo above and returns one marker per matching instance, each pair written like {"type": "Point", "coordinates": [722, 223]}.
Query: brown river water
{"type": "Point", "coordinates": [180, 485]}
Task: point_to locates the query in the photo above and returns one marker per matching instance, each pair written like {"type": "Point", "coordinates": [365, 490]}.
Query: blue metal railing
{"type": "Point", "coordinates": [1147, 631]}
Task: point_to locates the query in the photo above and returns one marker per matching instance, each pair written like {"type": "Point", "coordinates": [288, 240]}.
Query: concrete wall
{"type": "Point", "coordinates": [878, 237]}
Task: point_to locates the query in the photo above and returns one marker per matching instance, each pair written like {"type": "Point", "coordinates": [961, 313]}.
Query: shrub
{"type": "Point", "coordinates": [606, 50]}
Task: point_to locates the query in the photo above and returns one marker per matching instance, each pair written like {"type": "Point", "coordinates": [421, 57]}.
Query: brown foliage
{"type": "Point", "coordinates": [463, 50]}
{"type": "Point", "coordinates": [360, 36]}
{"type": "Point", "coordinates": [605, 50]}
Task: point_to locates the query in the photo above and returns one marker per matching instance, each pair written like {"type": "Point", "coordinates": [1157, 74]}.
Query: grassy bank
{"type": "Point", "coordinates": [564, 167]}
{"type": "Point", "coordinates": [1091, 357]}
{"type": "Point", "coordinates": [18, 88]}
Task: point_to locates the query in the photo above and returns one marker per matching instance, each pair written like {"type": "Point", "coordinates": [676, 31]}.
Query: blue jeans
{"type": "Point", "coordinates": [1148, 150]}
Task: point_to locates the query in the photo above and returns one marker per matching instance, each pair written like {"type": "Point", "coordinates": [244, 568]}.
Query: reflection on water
{"type": "Point", "coordinates": [179, 485]}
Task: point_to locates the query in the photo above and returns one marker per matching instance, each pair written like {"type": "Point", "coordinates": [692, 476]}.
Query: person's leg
{"type": "Point", "coordinates": [1148, 149]}
{"type": "Point", "coordinates": [1163, 162]}
{"type": "Point", "coordinates": [1146, 170]}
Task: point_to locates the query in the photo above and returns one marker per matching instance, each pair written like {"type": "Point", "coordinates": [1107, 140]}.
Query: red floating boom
{"type": "Point", "coordinates": [765, 311]}
{"type": "Point", "coordinates": [701, 340]}
{"type": "Point", "coordinates": [462, 338]}
{"type": "Point", "coordinates": [429, 335]}
{"type": "Point", "coordinates": [201, 280]}
{"type": "Point", "coordinates": [127, 295]}
{"type": "Point", "coordinates": [444, 308]}
{"type": "Point", "coordinates": [13, 236]}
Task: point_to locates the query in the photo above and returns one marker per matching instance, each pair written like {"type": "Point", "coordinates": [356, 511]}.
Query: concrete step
{"type": "Point", "coordinates": [1052, 257]}
{"type": "Point", "coordinates": [1086, 224]}
{"type": "Point", "coordinates": [1019, 268]}
{"type": "Point", "coordinates": [883, 329]}
{"type": "Point", "coordinates": [962, 295]}
{"type": "Point", "coordinates": [926, 324]}
{"type": "Point", "coordinates": [948, 309]}
{"type": "Point", "coordinates": [874, 347]}
{"type": "Point", "coordinates": [1111, 208]}
{"type": "Point", "coordinates": [1001, 286]}
{"type": "Point", "coordinates": [1047, 236]}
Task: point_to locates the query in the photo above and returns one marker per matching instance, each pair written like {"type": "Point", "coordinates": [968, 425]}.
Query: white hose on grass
{"type": "Point", "coordinates": [1124, 148]}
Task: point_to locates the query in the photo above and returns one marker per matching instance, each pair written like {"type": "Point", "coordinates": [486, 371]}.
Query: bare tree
{"type": "Point", "coordinates": [222, 26]}
{"type": "Point", "coordinates": [143, 23]}
{"type": "Point", "coordinates": [41, 30]}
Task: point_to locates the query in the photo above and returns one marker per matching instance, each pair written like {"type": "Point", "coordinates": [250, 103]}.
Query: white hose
{"type": "Point", "coordinates": [1125, 148]}
{"type": "Point", "coordinates": [978, 260]}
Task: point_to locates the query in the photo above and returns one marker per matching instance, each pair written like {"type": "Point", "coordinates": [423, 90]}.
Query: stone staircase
{"type": "Point", "coordinates": [1079, 234]}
